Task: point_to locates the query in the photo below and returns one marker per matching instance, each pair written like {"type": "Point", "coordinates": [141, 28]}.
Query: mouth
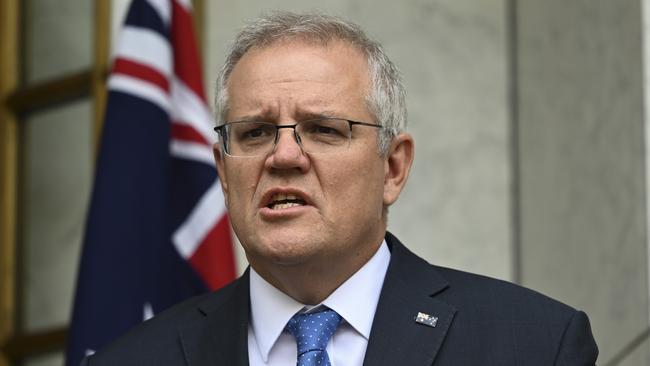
{"type": "Point", "coordinates": [282, 201]}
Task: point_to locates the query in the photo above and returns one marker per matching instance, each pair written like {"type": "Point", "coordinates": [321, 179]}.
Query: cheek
{"type": "Point", "coordinates": [242, 181]}
{"type": "Point", "coordinates": [354, 187]}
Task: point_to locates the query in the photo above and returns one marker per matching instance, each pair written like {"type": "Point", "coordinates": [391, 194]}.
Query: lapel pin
{"type": "Point", "coordinates": [426, 319]}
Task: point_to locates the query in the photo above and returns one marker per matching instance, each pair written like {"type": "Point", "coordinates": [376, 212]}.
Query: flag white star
{"type": "Point", "coordinates": [147, 311]}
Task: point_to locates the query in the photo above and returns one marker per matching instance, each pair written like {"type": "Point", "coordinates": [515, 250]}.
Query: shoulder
{"type": "Point", "coordinates": [469, 290]}
{"type": "Point", "coordinates": [465, 287]}
{"type": "Point", "coordinates": [511, 317]}
{"type": "Point", "coordinates": [156, 341]}
{"type": "Point", "coordinates": [499, 317]}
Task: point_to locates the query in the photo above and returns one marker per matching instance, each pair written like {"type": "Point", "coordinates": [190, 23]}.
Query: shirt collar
{"type": "Point", "coordinates": [271, 309]}
{"type": "Point", "coordinates": [276, 308]}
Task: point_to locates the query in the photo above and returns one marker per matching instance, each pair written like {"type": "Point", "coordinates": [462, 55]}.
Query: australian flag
{"type": "Point", "coordinates": [157, 230]}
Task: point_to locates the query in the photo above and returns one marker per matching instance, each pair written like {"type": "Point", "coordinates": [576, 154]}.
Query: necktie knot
{"type": "Point", "coordinates": [312, 332]}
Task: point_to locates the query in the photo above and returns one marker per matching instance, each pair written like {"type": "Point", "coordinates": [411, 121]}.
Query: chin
{"type": "Point", "coordinates": [287, 247]}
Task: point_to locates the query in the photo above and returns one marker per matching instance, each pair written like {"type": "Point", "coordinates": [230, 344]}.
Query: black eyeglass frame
{"type": "Point", "coordinates": [223, 138]}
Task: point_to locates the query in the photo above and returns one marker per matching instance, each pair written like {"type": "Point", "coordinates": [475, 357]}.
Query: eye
{"type": "Point", "coordinates": [254, 131]}
{"type": "Point", "coordinates": [329, 128]}
{"type": "Point", "coordinates": [324, 130]}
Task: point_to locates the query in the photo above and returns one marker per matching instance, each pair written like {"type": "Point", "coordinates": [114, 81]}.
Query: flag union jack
{"type": "Point", "coordinates": [157, 230]}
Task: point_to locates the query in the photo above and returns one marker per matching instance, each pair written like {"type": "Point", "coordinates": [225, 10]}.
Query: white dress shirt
{"type": "Point", "coordinates": [355, 300]}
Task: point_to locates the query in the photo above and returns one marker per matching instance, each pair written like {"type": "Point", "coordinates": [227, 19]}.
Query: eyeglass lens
{"type": "Point", "coordinates": [314, 136]}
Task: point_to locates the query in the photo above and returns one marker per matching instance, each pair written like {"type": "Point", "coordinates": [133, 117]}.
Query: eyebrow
{"type": "Point", "coordinates": [305, 115]}
{"type": "Point", "coordinates": [252, 117]}
{"type": "Point", "coordinates": [300, 116]}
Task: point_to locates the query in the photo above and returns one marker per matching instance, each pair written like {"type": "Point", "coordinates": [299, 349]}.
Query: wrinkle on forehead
{"type": "Point", "coordinates": [280, 107]}
{"type": "Point", "coordinates": [292, 80]}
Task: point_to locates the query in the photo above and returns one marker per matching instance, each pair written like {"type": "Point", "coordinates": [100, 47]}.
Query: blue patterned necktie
{"type": "Point", "coordinates": [312, 332]}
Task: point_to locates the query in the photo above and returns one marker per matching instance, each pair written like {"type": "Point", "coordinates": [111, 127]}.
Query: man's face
{"type": "Point", "coordinates": [340, 194]}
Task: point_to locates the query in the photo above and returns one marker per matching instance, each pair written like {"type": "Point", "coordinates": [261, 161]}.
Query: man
{"type": "Point", "coordinates": [312, 153]}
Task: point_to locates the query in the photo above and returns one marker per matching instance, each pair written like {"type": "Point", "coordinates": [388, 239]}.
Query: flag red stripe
{"type": "Point", "coordinates": [187, 133]}
{"type": "Point", "coordinates": [186, 54]}
{"type": "Point", "coordinates": [140, 71]}
{"type": "Point", "coordinates": [213, 259]}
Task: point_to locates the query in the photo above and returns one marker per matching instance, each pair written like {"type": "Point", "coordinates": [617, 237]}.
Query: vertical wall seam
{"type": "Point", "coordinates": [512, 75]}
{"type": "Point", "coordinates": [645, 42]}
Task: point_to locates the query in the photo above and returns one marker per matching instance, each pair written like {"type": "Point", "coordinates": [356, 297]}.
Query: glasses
{"type": "Point", "coordinates": [317, 136]}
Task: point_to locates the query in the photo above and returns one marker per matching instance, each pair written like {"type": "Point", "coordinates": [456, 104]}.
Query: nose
{"type": "Point", "coordinates": [287, 153]}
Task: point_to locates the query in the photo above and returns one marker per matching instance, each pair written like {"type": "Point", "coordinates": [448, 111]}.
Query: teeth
{"type": "Point", "coordinates": [281, 206]}
{"type": "Point", "coordinates": [281, 201]}
{"type": "Point", "coordinates": [284, 197]}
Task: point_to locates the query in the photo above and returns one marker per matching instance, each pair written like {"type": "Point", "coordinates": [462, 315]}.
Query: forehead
{"type": "Point", "coordinates": [297, 73]}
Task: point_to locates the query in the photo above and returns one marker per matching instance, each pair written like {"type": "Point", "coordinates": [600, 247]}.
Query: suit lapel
{"type": "Point", "coordinates": [219, 336]}
{"type": "Point", "coordinates": [409, 288]}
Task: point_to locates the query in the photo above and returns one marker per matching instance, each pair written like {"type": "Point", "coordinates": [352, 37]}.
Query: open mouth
{"type": "Point", "coordinates": [281, 201]}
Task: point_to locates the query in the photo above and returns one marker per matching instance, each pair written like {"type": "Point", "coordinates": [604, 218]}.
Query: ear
{"type": "Point", "coordinates": [397, 166]}
{"type": "Point", "coordinates": [221, 169]}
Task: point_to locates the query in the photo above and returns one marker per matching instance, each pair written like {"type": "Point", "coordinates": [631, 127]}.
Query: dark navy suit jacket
{"type": "Point", "coordinates": [480, 321]}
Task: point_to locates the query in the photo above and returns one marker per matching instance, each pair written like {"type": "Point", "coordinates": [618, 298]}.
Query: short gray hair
{"type": "Point", "coordinates": [386, 98]}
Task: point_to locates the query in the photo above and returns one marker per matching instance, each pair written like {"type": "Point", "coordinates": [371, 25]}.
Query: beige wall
{"type": "Point", "coordinates": [582, 162]}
